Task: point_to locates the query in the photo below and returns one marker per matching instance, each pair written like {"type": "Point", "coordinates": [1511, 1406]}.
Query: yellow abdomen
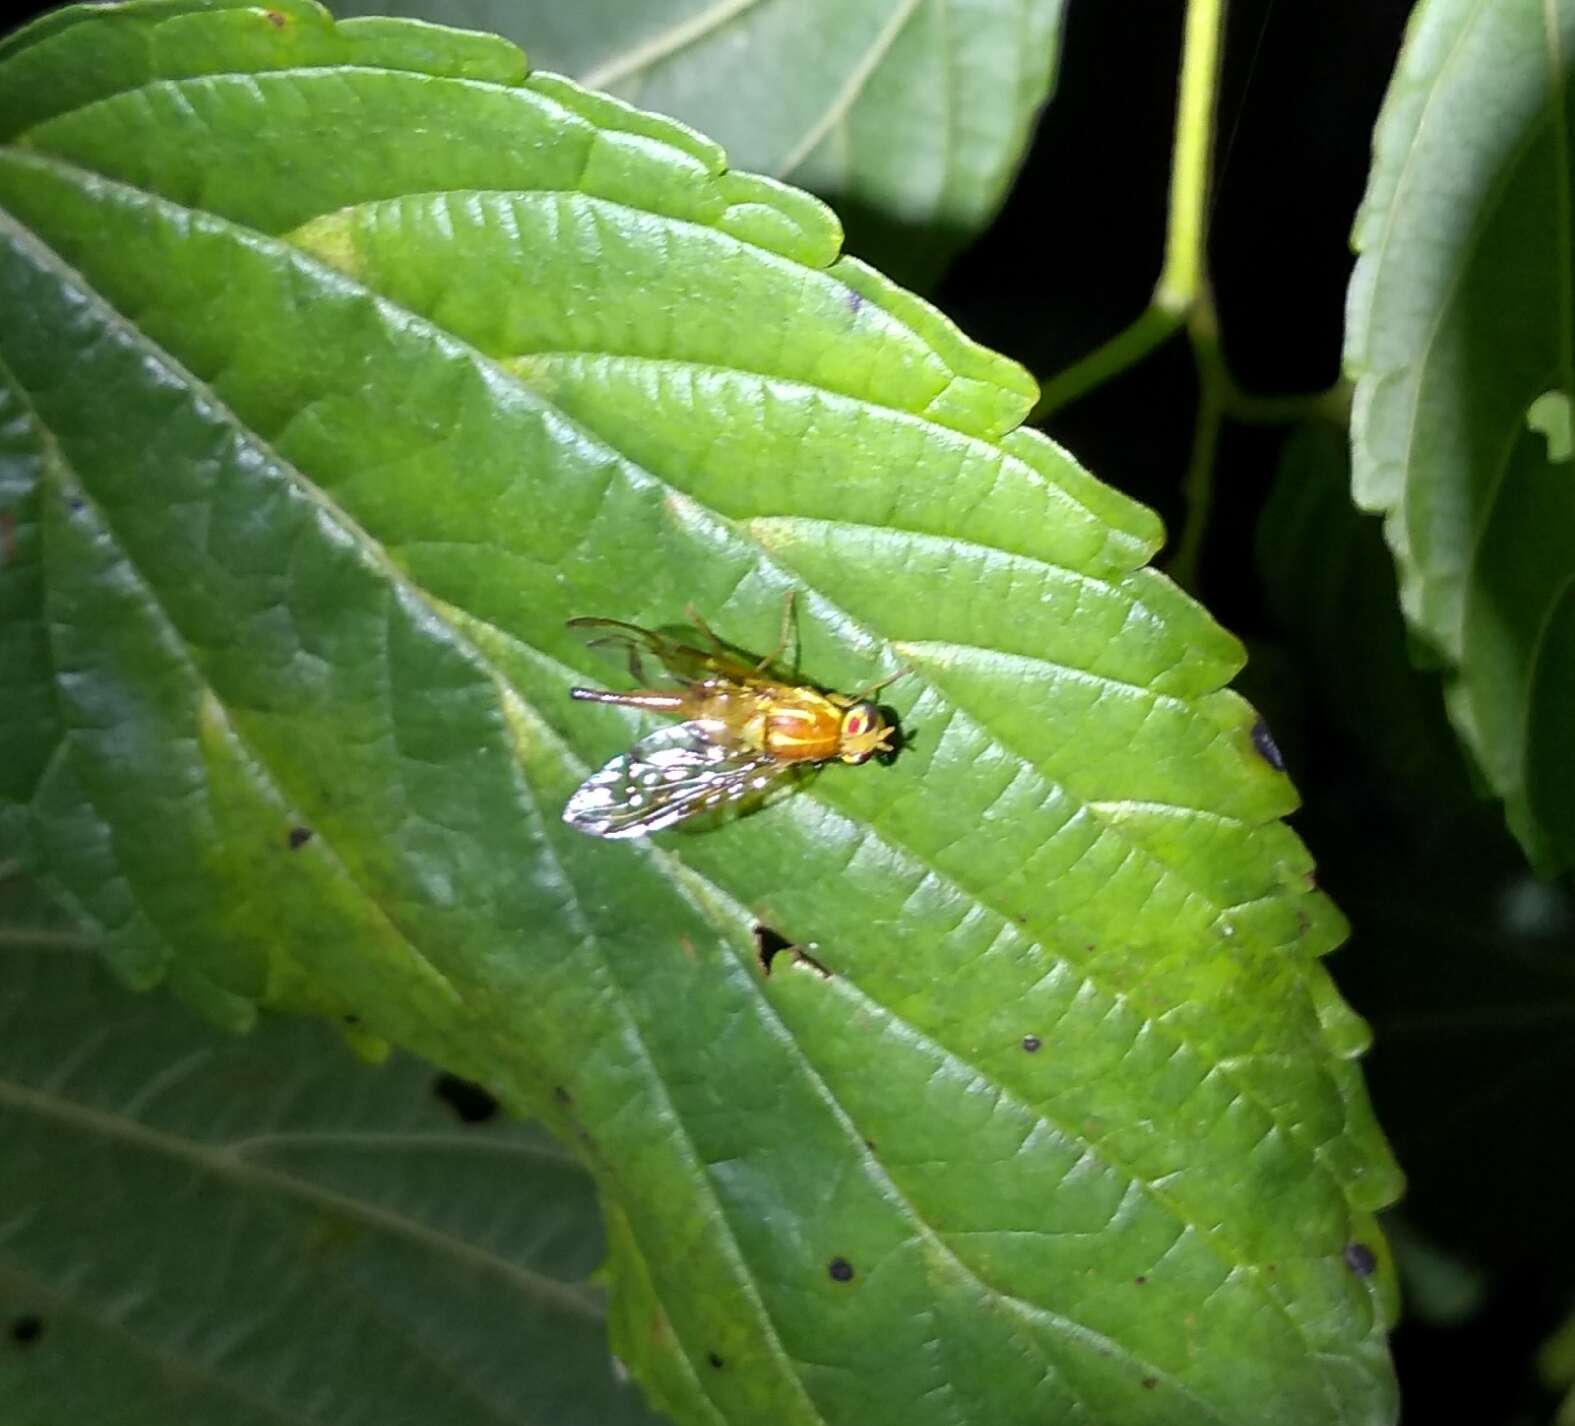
{"type": "Point", "coordinates": [806, 727]}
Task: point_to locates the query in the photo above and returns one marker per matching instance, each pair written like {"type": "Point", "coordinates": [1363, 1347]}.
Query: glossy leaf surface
{"type": "Point", "coordinates": [909, 116]}
{"type": "Point", "coordinates": [1461, 329]}
{"type": "Point", "coordinates": [344, 364]}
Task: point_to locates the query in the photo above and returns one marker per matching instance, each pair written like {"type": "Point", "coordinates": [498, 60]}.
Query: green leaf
{"type": "Point", "coordinates": [1331, 585]}
{"type": "Point", "coordinates": [344, 363]}
{"type": "Point", "coordinates": [909, 116]}
{"type": "Point", "coordinates": [1462, 324]}
{"type": "Point", "coordinates": [1556, 1362]}
{"type": "Point", "coordinates": [1441, 1289]}
{"type": "Point", "coordinates": [207, 1229]}
{"type": "Point", "coordinates": [1464, 961]}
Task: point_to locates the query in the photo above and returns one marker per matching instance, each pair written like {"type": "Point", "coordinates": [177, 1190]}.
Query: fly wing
{"type": "Point", "coordinates": [647, 654]}
{"type": "Point", "coordinates": [669, 776]}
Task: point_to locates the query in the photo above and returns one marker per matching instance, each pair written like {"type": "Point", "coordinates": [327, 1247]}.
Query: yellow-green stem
{"type": "Point", "coordinates": [1197, 486]}
{"type": "Point", "coordinates": [1182, 278]}
{"type": "Point", "coordinates": [1126, 349]}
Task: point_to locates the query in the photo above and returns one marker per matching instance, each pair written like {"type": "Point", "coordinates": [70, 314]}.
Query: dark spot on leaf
{"type": "Point", "coordinates": [27, 1329]}
{"type": "Point", "coordinates": [1268, 749]}
{"type": "Point", "coordinates": [768, 944]}
{"type": "Point", "coordinates": [1031, 1043]}
{"type": "Point", "coordinates": [841, 1270]}
{"type": "Point", "coordinates": [7, 537]}
{"type": "Point", "coordinates": [299, 837]}
{"type": "Point", "coordinates": [562, 1095]}
{"type": "Point", "coordinates": [351, 1019]}
{"type": "Point", "coordinates": [1140, 1279]}
{"type": "Point", "coordinates": [1360, 1259]}
{"type": "Point", "coordinates": [870, 1145]}
{"type": "Point", "coordinates": [75, 503]}
{"type": "Point", "coordinates": [470, 1102]}
{"type": "Point", "coordinates": [715, 1360]}
{"type": "Point", "coordinates": [1150, 1382]}
{"type": "Point", "coordinates": [275, 19]}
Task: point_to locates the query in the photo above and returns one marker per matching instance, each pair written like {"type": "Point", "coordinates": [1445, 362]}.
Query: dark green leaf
{"type": "Point", "coordinates": [1466, 964]}
{"type": "Point", "coordinates": [1462, 325]}
{"type": "Point", "coordinates": [1331, 586]}
{"type": "Point", "coordinates": [909, 116]}
{"type": "Point", "coordinates": [1557, 1362]}
{"type": "Point", "coordinates": [203, 1229]}
{"type": "Point", "coordinates": [343, 365]}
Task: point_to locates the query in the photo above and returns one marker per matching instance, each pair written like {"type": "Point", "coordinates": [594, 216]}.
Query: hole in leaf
{"type": "Point", "coordinates": [470, 1102]}
{"type": "Point", "coordinates": [1549, 416]}
{"type": "Point", "coordinates": [768, 945]}
{"type": "Point", "coordinates": [27, 1329]}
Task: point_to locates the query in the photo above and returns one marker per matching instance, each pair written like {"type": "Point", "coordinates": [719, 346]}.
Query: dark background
{"type": "Point", "coordinates": [1464, 964]}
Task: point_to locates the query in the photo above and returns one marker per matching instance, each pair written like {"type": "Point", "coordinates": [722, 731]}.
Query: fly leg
{"type": "Point", "coordinates": [847, 700]}
{"type": "Point", "coordinates": [649, 699]}
{"type": "Point", "coordinates": [721, 650]}
{"type": "Point", "coordinates": [783, 635]}
{"type": "Point", "coordinates": [694, 616]}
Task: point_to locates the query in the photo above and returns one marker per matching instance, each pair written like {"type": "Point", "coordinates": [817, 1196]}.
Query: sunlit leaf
{"type": "Point", "coordinates": [1462, 325]}
{"type": "Point", "coordinates": [343, 365]}
{"type": "Point", "coordinates": [909, 116]}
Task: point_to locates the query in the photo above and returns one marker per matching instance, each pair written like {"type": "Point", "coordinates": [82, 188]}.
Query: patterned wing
{"type": "Point", "coordinates": [647, 654]}
{"type": "Point", "coordinates": [669, 776]}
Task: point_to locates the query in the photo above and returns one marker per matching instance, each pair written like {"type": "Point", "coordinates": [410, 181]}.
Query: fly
{"type": "Point", "coordinates": [742, 731]}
